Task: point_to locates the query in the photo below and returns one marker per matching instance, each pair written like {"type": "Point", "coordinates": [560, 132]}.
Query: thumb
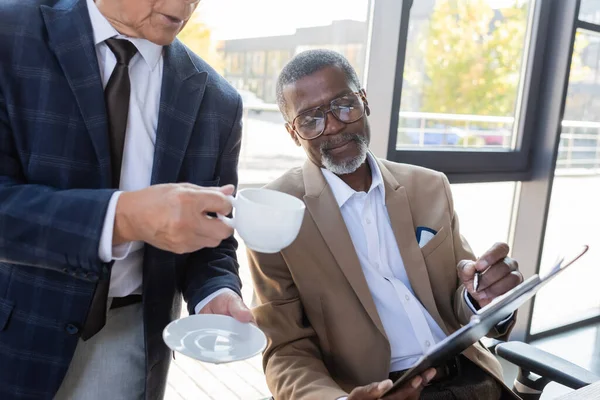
{"type": "Point", "coordinates": [383, 386]}
{"type": "Point", "coordinates": [376, 389]}
{"type": "Point", "coordinates": [227, 190]}
{"type": "Point", "coordinates": [466, 270]}
{"type": "Point", "coordinates": [239, 311]}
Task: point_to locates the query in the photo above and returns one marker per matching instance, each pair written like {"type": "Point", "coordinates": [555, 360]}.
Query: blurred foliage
{"type": "Point", "coordinates": [197, 36]}
{"type": "Point", "coordinates": [472, 57]}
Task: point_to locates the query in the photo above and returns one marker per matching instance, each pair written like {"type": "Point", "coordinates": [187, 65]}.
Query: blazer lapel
{"type": "Point", "coordinates": [71, 38]}
{"type": "Point", "coordinates": [398, 207]}
{"type": "Point", "coordinates": [321, 204]}
{"type": "Point", "coordinates": [181, 94]}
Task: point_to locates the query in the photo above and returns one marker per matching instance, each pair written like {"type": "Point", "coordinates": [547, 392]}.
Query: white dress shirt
{"type": "Point", "coordinates": [145, 74]}
{"type": "Point", "coordinates": [410, 328]}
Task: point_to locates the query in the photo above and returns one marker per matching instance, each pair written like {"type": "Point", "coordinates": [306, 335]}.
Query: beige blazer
{"type": "Point", "coordinates": [325, 336]}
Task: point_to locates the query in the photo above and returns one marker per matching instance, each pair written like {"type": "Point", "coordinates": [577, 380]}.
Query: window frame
{"type": "Point", "coordinates": [481, 165]}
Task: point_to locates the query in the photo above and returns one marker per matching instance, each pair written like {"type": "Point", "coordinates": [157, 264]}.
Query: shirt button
{"type": "Point", "coordinates": [427, 344]}
{"type": "Point", "coordinates": [407, 297]}
{"type": "Point", "coordinates": [368, 221]}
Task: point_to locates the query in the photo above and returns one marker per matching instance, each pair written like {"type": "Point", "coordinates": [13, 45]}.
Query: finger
{"type": "Point", "coordinates": [496, 253]}
{"type": "Point", "coordinates": [239, 311]}
{"type": "Point", "coordinates": [211, 201]}
{"type": "Point", "coordinates": [212, 228]}
{"type": "Point", "coordinates": [494, 274]}
{"type": "Point", "coordinates": [377, 389]}
{"type": "Point", "coordinates": [410, 390]}
{"type": "Point", "coordinates": [369, 391]}
{"type": "Point", "coordinates": [227, 190]}
{"type": "Point", "coordinates": [466, 270]}
{"type": "Point", "coordinates": [502, 286]}
{"type": "Point", "coordinates": [428, 375]}
{"type": "Point", "coordinates": [382, 387]}
{"type": "Point", "coordinates": [512, 263]}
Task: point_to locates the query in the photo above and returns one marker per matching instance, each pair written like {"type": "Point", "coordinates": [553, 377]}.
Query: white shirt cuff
{"type": "Point", "coordinates": [106, 251]}
{"type": "Point", "coordinates": [208, 298]}
{"type": "Point", "coordinates": [472, 307]}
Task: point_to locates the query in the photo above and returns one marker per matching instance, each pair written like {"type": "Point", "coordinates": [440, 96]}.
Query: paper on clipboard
{"type": "Point", "coordinates": [485, 319]}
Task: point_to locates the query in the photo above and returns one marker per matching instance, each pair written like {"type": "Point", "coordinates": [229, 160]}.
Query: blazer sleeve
{"type": "Point", "coordinates": [212, 269]}
{"type": "Point", "coordinates": [462, 251]}
{"type": "Point", "coordinates": [292, 361]}
{"type": "Point", "coordinates": [45, 227]}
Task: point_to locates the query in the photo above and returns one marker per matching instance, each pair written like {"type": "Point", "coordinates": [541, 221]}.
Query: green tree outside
{"type": "Point", "coordinates": [473, 56]}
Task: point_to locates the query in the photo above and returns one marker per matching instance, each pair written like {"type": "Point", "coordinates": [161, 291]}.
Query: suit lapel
{"type": "Point", "coordinates": [181, 94]}
{"type": "Point", "coordinates": [398, 208]}
{"type": "Point", "coordinates": [324, 210]}
{"type": "Point", "coordinates": [71, 38]}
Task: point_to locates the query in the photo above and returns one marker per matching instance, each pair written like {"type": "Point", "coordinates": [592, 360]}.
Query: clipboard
{"type": "Point", "coordinates": [485, 319]}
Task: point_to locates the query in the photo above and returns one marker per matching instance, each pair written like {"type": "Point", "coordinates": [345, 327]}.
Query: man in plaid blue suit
{"type": "Point", "coordinates": [66, 229]}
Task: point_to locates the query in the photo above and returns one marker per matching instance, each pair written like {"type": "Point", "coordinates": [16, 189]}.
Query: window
{"type": "Point", "coordinates": [464, 81]}
{"type": "Point", "coordinates": [483, 223]}
{"type": "Point", "coordinates": [277, 60]}
{"type": "Point", "coordinates": [576, 181]}
{"type": "Point", "coordinates": [257, 63]}
{"type": "Point", "coordinates": [589, 11]}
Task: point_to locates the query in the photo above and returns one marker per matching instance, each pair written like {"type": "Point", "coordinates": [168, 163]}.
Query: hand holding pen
{"type": "Point", "coordinates": [491, 275]}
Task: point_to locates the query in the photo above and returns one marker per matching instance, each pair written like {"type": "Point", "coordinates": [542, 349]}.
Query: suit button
{"type": "Point", "coordinates": [71, 329]}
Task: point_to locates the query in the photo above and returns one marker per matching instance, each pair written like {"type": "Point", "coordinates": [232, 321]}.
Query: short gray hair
{"type": "Point", "coordinates": [307, 63]}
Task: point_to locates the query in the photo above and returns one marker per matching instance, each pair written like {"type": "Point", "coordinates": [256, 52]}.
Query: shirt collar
{"type": "Point", "coordinates": [103, 30]}
{"type": "Point", "coordinates": [342, 192]}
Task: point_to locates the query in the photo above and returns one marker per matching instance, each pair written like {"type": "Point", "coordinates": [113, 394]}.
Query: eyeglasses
{"type": "Point", "coordinates": [348, 108]}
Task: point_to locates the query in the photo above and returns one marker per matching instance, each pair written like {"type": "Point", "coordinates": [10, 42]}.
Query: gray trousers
{"type": "Point", "coordinates": [111, 364]}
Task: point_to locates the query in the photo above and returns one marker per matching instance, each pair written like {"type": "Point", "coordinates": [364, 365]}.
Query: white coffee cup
{"type": "Point", "coordinates": [267, 220]}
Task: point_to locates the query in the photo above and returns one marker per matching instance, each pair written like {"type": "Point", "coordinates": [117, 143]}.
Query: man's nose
{"type": "Point", "coordinates": [332, 124]}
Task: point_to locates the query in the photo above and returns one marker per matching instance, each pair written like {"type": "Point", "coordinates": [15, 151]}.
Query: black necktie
{"type": "Point", "coordinates": [116, 95]}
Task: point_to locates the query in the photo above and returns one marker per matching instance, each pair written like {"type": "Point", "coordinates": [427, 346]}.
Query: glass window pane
{"type": "Point", "coordinates": [250, 53]}
{"type": "Point", "coordinates": [484, 220]}
{"type": "Point", "coordinates": [462, 74]}
{"type": "Point", "coordinates": [589, 11]}
{"type": "Point", "coordinates": [574, 212]}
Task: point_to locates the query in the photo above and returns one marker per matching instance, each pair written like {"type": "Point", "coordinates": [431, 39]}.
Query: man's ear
{"type": "Point", "coordinates": [293, 134]}
{"type": "Point", "coordinates": [363, 94]}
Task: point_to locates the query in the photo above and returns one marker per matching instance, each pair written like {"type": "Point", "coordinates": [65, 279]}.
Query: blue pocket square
{"type": "Point", "coordinates": [424, 235]}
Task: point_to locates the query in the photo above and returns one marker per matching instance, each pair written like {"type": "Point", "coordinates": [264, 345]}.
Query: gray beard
{"type": "Point", "coordinates": [346, 166]}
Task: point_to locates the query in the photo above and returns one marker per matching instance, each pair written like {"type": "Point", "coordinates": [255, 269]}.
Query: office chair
{"type": "Point", "coordinates": [537, 368]}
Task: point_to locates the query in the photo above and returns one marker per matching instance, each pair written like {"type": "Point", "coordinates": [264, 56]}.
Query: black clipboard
{"type": "Point", "coordinates": [485, 319]}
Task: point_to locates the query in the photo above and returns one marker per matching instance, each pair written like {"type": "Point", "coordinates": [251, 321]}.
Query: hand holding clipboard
{"type": "Point", "coordinates": [481, 323]}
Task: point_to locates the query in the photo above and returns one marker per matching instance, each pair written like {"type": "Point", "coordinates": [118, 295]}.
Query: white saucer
{"type": "Point", "coordinates": [214, 338]}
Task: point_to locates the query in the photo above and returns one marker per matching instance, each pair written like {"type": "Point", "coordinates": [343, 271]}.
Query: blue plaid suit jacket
{"type": "Point", "coordinates": [55, 187]}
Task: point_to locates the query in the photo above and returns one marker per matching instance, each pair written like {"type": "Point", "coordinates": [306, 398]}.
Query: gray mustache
{"type": "Point", "coordinates": [344, 137]}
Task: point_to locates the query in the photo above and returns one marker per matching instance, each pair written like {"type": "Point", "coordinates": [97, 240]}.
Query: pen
{"type": "Point", "coordinates": [477, 278]}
